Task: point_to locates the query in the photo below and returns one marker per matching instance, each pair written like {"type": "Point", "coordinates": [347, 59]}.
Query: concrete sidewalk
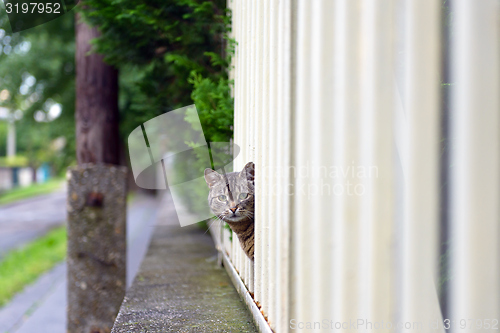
{"type": "Point", "coordinates": [41, 307]}
{"type": "Point", "coordinates": [179, 287]}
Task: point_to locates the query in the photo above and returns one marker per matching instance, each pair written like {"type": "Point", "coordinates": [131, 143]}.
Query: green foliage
{"type": "Point", "coordinates": [214, 103]}
{"type": "Point", "coordinates": [21, 267]}
{"type": "Point", "coordinates": [158, 44]}
{"type": "Point", "coordinates": [38, 146]}
{"type": "Point", "coordinates": [13, 161]}
{"type": "Point", "coordinates": [212, 95]}
{"type": "Point", "coordinates": [46, 54]}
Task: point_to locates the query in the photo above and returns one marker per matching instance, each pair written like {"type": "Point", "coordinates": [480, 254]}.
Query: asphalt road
{"type": "Point", "coordinates": [23, 221]}
{"type": "Point", "coordinates": [41, 307]}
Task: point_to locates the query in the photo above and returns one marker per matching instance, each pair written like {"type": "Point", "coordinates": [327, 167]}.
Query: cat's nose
{"type": "Point", "coordinates": [233, 209]}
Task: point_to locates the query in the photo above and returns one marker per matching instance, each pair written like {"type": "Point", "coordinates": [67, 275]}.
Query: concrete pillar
{"type": "Point", "coordinates": [96, 246]}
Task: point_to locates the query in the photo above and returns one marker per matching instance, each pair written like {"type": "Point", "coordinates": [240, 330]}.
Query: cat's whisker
{"type": "Point", "coordinates": [220, 218]}
{"type": "Point", "coordinates": [217, 219]}
{"type": "Point", "coordinates": [210, 226]}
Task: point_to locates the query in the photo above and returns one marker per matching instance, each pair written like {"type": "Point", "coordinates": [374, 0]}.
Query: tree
{"type": "Point", "coordinates": [97, 132]}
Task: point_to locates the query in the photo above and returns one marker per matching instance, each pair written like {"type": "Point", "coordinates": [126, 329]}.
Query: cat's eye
{"type": "Point", "coordinates": [222, 198]}
{"type": "Point", "coordinates": [243, 196]}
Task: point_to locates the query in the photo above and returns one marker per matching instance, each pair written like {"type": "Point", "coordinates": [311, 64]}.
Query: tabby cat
{"type": "Point", "coordinates": [231, 199]}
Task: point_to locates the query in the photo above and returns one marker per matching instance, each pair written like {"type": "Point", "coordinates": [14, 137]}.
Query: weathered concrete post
{"type": "Point", "coordinates": [96, 246]}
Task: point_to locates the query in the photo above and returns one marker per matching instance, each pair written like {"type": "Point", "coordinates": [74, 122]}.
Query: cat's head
{"type": "Point", "coordinates": [231, 196]}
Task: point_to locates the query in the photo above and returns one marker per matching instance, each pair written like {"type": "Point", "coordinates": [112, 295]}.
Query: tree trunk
{"type": "Point", "coordinates": [97, 136]}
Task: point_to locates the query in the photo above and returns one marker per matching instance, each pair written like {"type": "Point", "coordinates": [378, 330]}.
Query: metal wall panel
{"type": "Point", "coordinates": [420, 151]}
{"type": "Point", "coordinates": [475, 162]}
{"type": "Point", "coordinates": [376, 294]}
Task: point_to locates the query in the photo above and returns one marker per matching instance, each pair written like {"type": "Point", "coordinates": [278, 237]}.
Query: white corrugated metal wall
{"type": "Point", "coordinates": [338, 102]}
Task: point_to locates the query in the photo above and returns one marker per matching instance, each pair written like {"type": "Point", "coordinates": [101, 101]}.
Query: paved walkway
{"type": "Point", "coordinates": [179, 287]}
{"type": "Point", "coordinates": [41, 307]}
{"type": "Point", "coordinates": [23, 221]}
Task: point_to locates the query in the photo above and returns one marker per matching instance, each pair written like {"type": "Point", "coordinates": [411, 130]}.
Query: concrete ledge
{"type": "Point", "coordinates": [179, 288]}
{"type": "Point", "coordinates": [259, 319]}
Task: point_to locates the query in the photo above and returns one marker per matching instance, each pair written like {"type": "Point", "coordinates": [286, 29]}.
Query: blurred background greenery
{"type": "Point", "coordinates": [169, 53]}
{"type": "Point", "coordinates": [37, 86]}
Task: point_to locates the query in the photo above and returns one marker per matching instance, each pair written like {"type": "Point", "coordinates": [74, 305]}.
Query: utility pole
{"type": "Point", "coordinates": [97, 190]}
{"type": "Point", "coordinates": [9, 117]}
{"type": "Point", "coordinates": [11, 137]}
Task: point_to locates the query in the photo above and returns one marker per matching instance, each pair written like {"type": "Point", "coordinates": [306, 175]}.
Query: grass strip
{"type": "Point", "coordinates": [23, 266]}
{"type": "Point", "coordinates": [21, 193]}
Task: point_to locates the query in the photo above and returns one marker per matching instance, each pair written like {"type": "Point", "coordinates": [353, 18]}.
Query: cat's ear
{"type": "Point", "coordinates": [211, 177]}
{"type": "Point", "coordinates": [248, 172]}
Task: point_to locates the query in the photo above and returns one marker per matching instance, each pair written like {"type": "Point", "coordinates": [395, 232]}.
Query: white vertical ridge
{"type": "Point", "coordinates": [237, 22]}
{"type": "Point", "coordinates": [421, 169]}
{"type": "Point", "coordinates": [377, 294]}
{"type": "Point", "coordinates": [251, 92]}
{"type": "Point", "coordinates": [239, 106]}
{"type": "Point", "coordinates": [219, 239]}
{"type": "Point", "coordinates": [270, 153]}
{"type": "Point", "coordinates": [227, 243]}
{"type": "Point", "coordinates": [247, 272]}
{"type": "Point", "coordinates": [304, 145]}
{"type": "Point", "coordinates": [236, 26]}
{"type": "Point", "coordinates": [246, 112]}
{"type": "Point", "coordinates": [244, 107]}
{"type": "Point", "coordinates": [475, 162]}
{"type": "Point", "coordinates": [255, 153]}
{"type": "Point", "coordinates": [320, 156]}
{"type": "Point", "coordinates": [263, 148]}
{"type": "Point", "coordinates": [253, 113]}
{"type": "Point", "coordinates": [250, 113]}
{"type": "Point", "coordinates": [234, 249]}
{"type": "Point", "coordinates": [345, 212]}
{"type": "Point", "coordinates": [284, 146]}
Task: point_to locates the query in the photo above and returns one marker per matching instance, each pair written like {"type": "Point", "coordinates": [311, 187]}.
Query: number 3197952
{"type": "Point", "coordinates": [33, 7]}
